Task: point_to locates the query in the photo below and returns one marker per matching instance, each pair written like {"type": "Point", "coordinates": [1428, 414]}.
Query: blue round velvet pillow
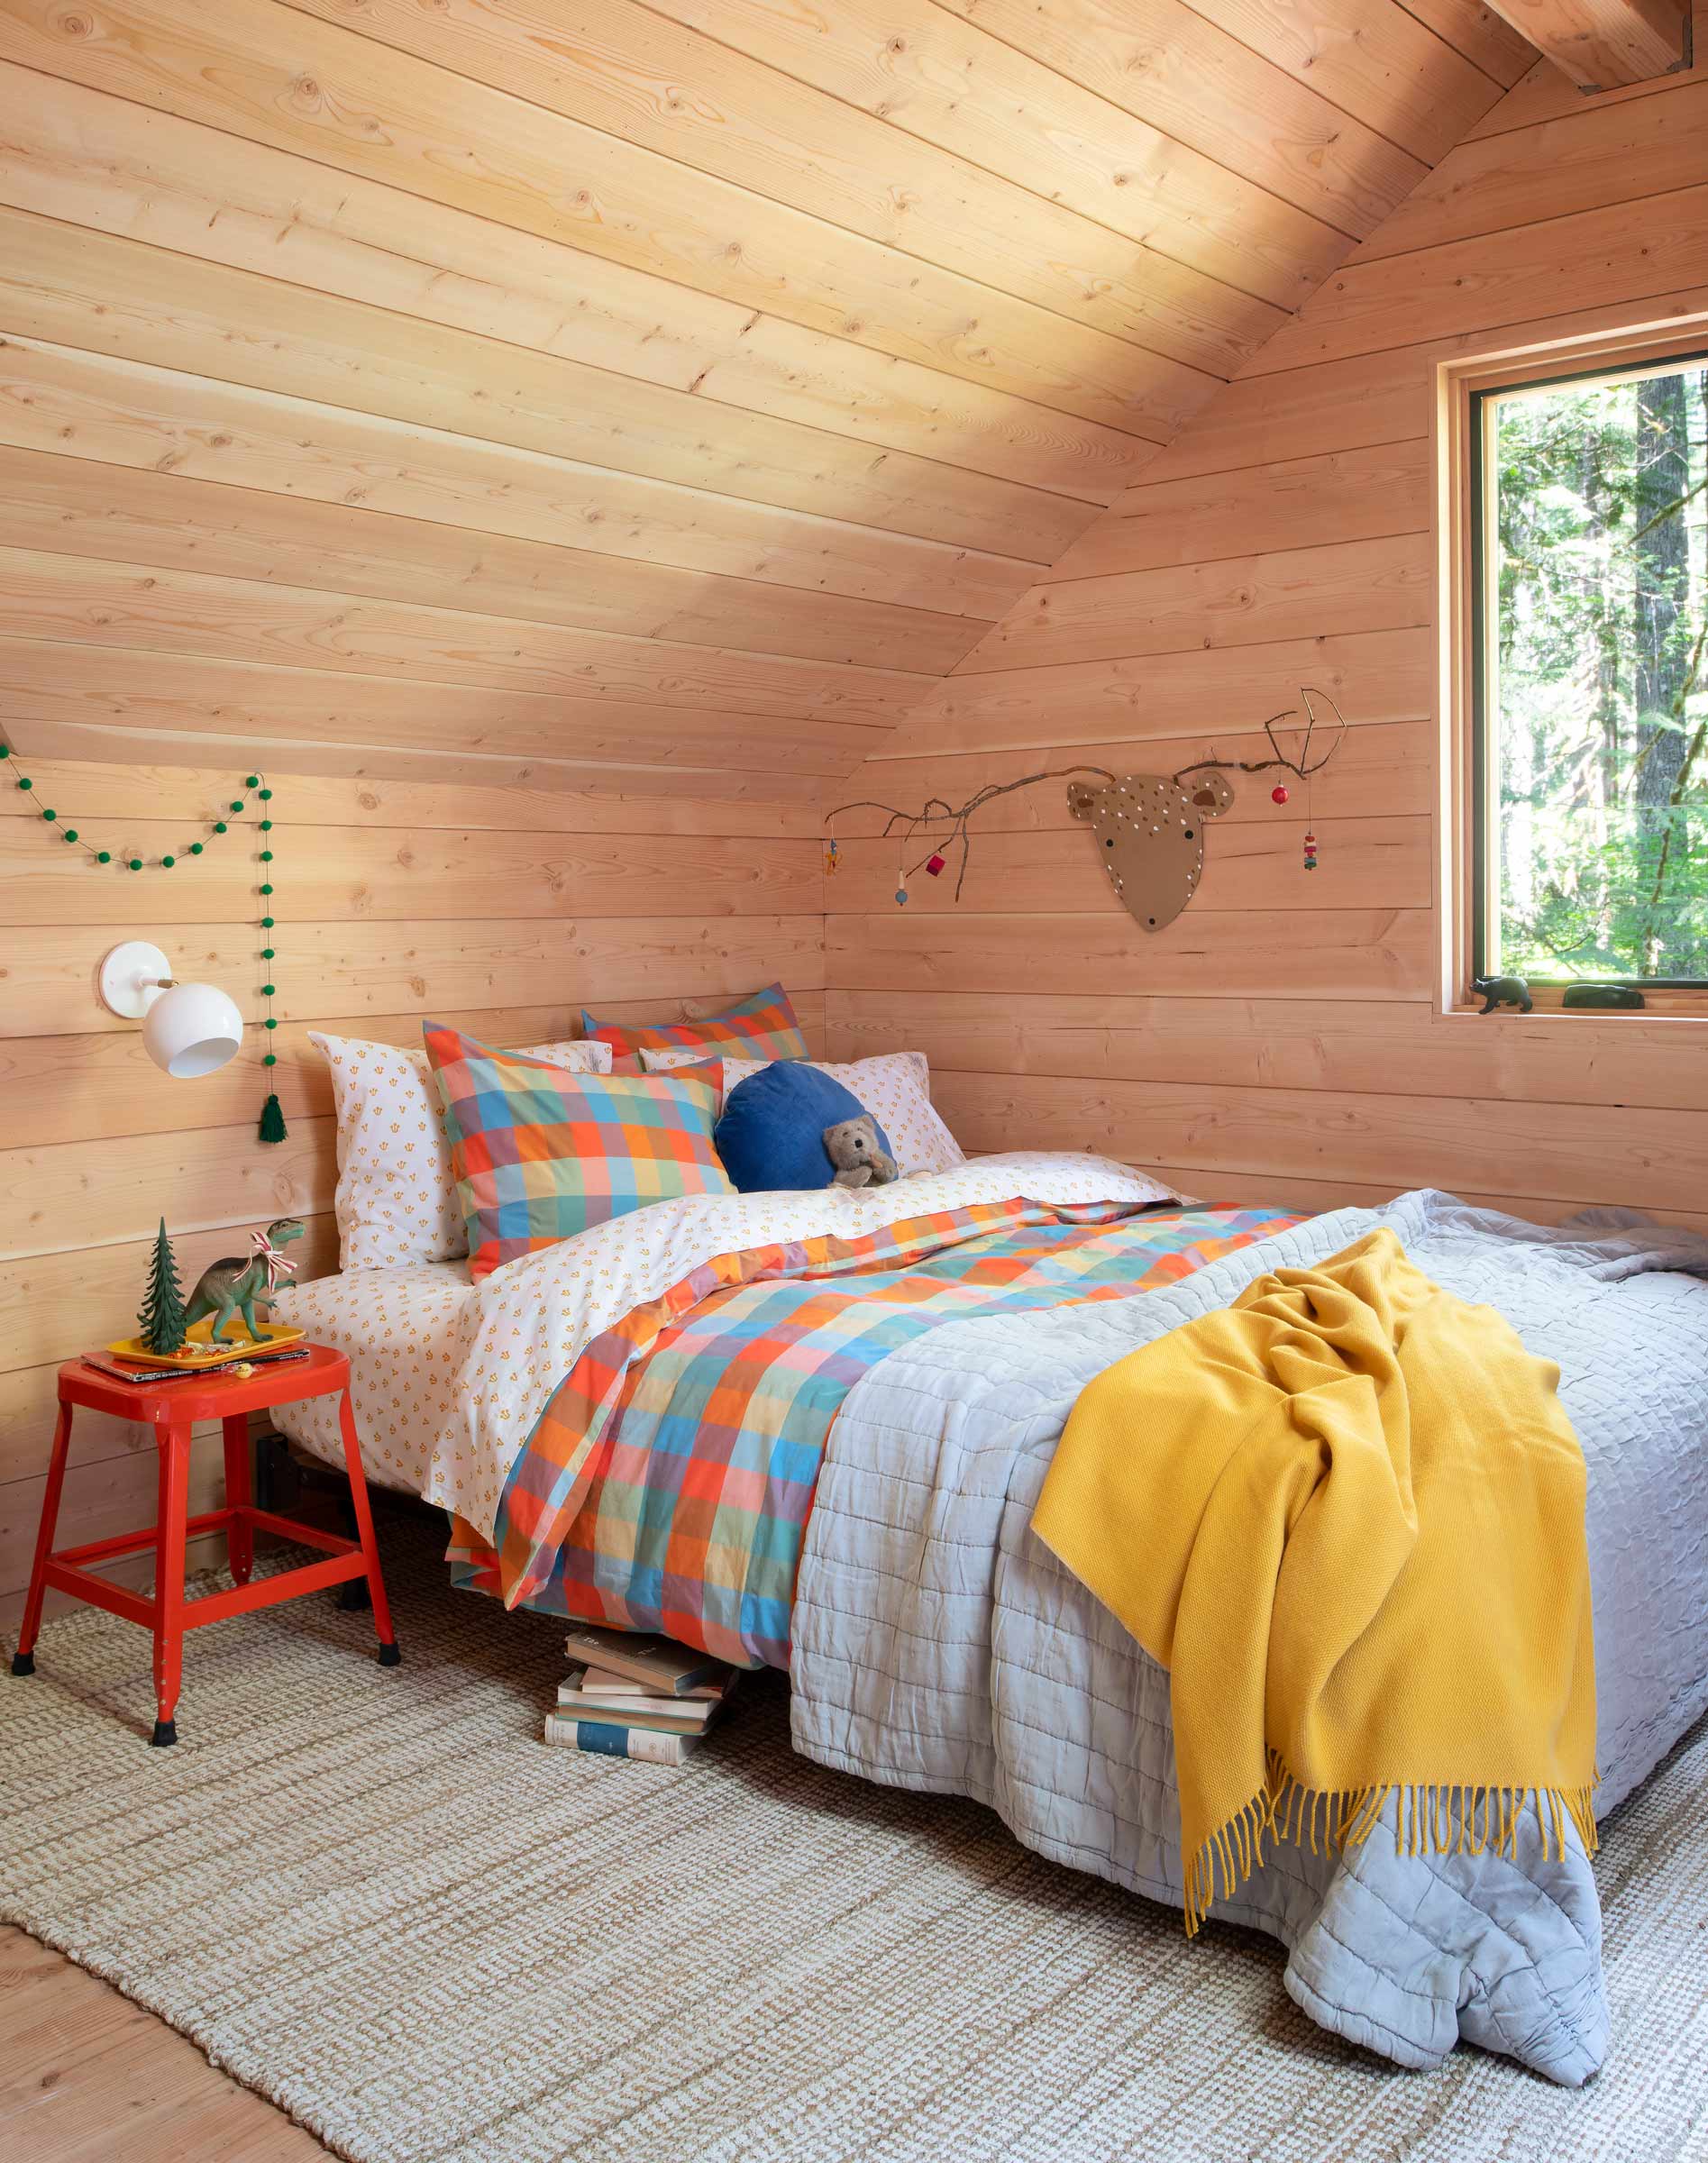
{"type": "Point", "coordinates": [772, 1135]}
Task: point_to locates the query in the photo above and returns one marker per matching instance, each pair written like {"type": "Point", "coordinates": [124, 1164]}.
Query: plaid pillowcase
{"type": "Point", "coordinates": [687, 1067]}
{"type": "Point", "coordinates": [397, 1199]}
{"type": "Point", "coordinates": [539, 1153]}
{"type": "Point", "coordinates": [761, 1026]}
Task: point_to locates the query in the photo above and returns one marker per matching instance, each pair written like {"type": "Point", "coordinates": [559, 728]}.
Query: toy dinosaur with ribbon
{"type": "Point", "coordinates": [232, 1286]}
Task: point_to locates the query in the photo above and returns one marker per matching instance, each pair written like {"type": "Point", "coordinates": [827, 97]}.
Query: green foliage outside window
{"type": "Point", "coordinates": [1597, 681]}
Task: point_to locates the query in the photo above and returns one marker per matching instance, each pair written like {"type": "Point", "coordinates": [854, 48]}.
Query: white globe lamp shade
{"type": "Point", "coordinates": [188, 1029]}
{"type": "Point", "coordinates": [192, 1030]}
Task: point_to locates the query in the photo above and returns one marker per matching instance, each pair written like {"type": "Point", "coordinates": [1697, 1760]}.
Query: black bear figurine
{"type": "Point", "coordinates": [1502, 992]}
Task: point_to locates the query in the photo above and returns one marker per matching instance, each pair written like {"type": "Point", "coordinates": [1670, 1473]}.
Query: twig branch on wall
{"type": "Point", "coordinates": [936, 810]}
{"type": "Point", "coordinates": [1304, 765]}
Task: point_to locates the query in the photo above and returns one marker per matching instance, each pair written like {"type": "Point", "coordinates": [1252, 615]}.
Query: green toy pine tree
{"type": "Point", "coordinates": [160, 1324]}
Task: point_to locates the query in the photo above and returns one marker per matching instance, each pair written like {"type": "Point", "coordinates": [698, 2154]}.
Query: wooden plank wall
{"type": "Point", "coordinates": [587, 430]}
{"type": "Point", "coordinates": [500, 909]}
{"type": "Point", "coordinates": [1280, 1041]}
{"type": "Point", "coordinates": [683, 385]}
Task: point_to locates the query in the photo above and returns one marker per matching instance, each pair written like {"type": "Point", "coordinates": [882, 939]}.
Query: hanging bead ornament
{"type": "Point", "coordinates": [271, 1128]}
{"type": "Point", "coordinates": [934, 865]}
{"type": "Point", "coordinates": [1310, 851]}
{"type": "Point", "coordinates": [1278, 795]}
{"type": "Point", "coordinates": [832, 863]}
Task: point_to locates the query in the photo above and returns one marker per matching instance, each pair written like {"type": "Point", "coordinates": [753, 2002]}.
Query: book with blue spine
{"type": "Point", "coordinates": [608, 1739]}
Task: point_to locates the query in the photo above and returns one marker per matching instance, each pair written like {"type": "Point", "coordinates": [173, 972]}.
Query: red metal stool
{"type": "Point", "coordinates": [172, 1409]}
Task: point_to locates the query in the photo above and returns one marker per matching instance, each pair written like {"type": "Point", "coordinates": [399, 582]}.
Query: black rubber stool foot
{"type": "Point", "coordinates": [389, 1655]}
{"type": "Point", "coordinates": [354, 1596]}
{"type": "Point", "coordinates": [23, 1662]}
{"type": "Point", "coordinates": [165, 1734]}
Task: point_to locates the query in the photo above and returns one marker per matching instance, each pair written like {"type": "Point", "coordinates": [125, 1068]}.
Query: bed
{"type": "Point", "coordinates": [807, 1429]}
{"type": "Point", "coordinates": [627, 1427]}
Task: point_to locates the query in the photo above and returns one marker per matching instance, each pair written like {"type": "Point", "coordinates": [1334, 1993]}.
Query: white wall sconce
{"type": "Point", "coordinates": [188, 1029]}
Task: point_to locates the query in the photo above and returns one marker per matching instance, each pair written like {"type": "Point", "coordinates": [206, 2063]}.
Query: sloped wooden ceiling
{"type": "Point", "coordinates": [581, 387]}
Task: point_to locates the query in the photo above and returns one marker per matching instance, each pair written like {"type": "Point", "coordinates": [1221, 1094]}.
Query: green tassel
{"type": "Point", "coordinates": [272, 1126]}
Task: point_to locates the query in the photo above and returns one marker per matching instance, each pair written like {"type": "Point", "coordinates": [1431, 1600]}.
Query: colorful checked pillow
{"type": "Point", "coordinates": [761, 1026]}
{"type": "Point", "coordinates": [539, 1155]}
{"type": "Point", "coordinates": [895, 1088]}
{"type": "Point", "coordinates": [397, 1201]}
{"type": "Point", "coordinates": [698, 1067]}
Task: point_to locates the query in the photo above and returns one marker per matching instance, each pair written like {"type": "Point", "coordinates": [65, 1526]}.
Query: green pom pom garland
{"type": "Point", "coordinates": [272, 1120]}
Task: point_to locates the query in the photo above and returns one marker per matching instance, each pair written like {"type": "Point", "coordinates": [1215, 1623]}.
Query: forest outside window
{"type": "Point", "coordinates": [1589, 691]}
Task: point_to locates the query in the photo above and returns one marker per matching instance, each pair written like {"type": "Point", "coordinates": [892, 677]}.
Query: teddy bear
{"type": "Point", "coordinates": [857, 1151]}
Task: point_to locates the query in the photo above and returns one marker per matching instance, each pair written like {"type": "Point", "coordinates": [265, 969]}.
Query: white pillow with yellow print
{"type": "Point", "coordinates": [396, 1201]}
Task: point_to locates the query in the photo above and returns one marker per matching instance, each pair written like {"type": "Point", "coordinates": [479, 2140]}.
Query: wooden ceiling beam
{"type": "Point", "coordinates": [1605, 45]}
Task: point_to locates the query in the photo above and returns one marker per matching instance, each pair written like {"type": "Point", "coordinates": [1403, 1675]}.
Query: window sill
{"type": "Point", "coordinates": [1691, 1005]}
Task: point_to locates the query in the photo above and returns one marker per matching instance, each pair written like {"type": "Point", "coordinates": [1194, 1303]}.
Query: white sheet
{"type": "Point", "coordinates": [406, 1333]}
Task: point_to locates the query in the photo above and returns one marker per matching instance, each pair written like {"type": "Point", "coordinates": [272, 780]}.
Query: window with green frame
{"type": "Point", "coordinates": [1590, 619]}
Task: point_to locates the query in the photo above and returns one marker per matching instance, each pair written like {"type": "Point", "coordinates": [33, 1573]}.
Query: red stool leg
{"type": "Point", "coordinates": [240, 1534]}
{"type": "Point", "coordinates": [23, 1659]}
{"type": "Point", "coordinates": [389, 1652]}
{"type": "Point", "coordinates": [169, 1582]}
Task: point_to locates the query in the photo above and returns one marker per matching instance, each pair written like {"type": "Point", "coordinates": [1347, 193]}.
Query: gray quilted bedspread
{"type": "Point", "coordinates": [938, 1645]}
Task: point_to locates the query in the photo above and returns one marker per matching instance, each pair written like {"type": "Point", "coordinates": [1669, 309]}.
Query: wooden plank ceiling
{"type": "Point", "coordinates": [599, 392]}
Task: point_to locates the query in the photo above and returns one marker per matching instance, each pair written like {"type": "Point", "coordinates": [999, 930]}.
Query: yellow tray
{"type": "Point", "coordinates": [198, 1351]}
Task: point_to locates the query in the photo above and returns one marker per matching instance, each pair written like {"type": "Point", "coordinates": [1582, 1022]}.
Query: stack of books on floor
{"type": "Point", "coordinates": [630, 1696]}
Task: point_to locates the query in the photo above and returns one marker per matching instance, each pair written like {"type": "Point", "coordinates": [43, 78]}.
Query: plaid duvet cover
{"type": "Point", "coordinates": [711, 1407]}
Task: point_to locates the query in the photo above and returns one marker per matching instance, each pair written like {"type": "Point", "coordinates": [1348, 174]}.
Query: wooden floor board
{"type": "Point", "coordinates": [90, 2077]}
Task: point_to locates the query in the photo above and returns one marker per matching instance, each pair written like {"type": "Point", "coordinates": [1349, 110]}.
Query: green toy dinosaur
{"type": "Point", "coordinates": [232, 1286]}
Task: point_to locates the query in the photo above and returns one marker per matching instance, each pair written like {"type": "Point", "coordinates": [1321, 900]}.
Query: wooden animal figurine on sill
{"type": "Point", "coordinates": [1150, 835]}
{"type": "Point", "coordinates": [1501, 992]}
{"type": "Point", "coordinates": [232, 1286]}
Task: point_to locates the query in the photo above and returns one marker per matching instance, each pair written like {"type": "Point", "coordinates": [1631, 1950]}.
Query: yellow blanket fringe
{"type": "Point", "coordinates": [1346, 1514]}
{"type": "Point", "coordinates": [1438, 1820]}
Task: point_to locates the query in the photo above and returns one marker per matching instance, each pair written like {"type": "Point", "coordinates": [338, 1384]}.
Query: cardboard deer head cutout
{"type": "Point", "coordinates": [1150, 835]}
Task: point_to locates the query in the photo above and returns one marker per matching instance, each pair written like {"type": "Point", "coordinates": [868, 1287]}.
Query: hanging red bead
{"type": "Point", "coordinates": [934, 864]}
{"type": "Point", "coordinates": [1278, 795]}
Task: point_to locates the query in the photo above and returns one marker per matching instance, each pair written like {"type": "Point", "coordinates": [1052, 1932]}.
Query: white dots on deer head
{"type": "Point", "coordinates": [1149, 830]}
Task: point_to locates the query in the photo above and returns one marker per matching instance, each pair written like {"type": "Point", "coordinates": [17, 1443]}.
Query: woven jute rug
{"type": "Point", "coordinates": [375, 1896]}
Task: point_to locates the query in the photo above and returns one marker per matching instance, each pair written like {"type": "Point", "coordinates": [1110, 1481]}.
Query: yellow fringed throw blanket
{"type": "Point", "coordinates": [1346, 1514]}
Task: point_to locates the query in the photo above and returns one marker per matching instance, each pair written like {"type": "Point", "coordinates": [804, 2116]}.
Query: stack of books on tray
{"type": "Point", "coordinates": [630, 1696]}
